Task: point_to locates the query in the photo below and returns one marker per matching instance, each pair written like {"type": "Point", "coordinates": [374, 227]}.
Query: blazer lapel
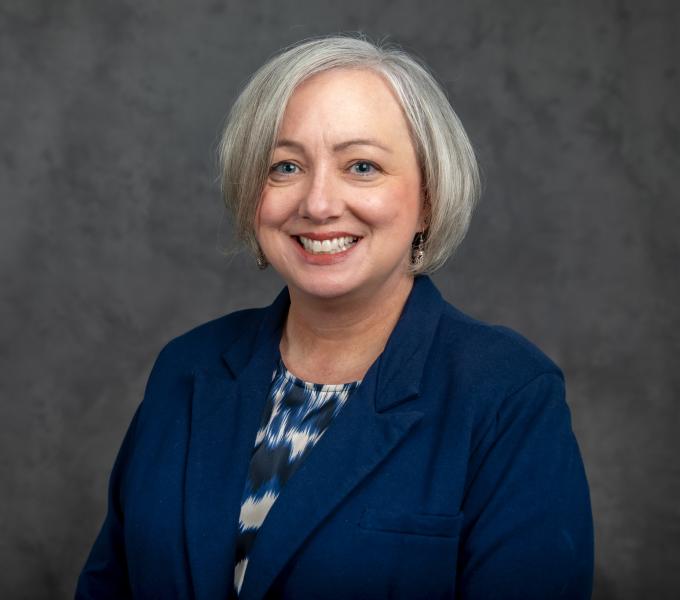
{"type": "Point", "coordinates": [226, 412]}
{"type": "Point", "coordinates": [359, 439]}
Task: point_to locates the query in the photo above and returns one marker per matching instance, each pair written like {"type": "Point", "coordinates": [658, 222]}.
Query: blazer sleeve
{"type": "Point", "coordinates": [105, 572]}
{"type": "Point", "coordinates": [528, 523]}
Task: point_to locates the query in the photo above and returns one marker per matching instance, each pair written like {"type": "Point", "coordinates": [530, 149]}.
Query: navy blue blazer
{"type": "Point", "coordinates": [451, 472]}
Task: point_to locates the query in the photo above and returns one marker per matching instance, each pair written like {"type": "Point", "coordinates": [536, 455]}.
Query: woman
{"type": "Point", "coordinates": [360, 437]}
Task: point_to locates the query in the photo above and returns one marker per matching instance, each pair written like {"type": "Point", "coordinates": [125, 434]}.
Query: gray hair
{"type": "Point", "coordinates": [447, 160]}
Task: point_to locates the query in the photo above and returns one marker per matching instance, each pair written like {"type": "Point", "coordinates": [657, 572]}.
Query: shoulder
{"type": "Point", "coordinates": [171, 381]}
{"type": "Point", "coordinates": [202, 346]}
{"type": "Point", "coordinates": [199, 349]}
{"type": "Point", "coordinates": [502, 385]}
{"type": "Point", "coordinates": [493, 359]}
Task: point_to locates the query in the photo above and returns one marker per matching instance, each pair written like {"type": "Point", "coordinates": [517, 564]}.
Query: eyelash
{"type": "Point", "coordinates": [275, 167]}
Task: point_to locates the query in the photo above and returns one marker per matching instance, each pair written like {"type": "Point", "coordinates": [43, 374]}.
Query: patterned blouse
{"type": "Point", "coordinates": [295, 417]}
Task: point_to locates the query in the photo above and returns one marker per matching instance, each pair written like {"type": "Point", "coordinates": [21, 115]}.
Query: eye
{"type": "Point", "coordinates": [363, 167]}
{"type": "Point", "coordinates": [284, 168]}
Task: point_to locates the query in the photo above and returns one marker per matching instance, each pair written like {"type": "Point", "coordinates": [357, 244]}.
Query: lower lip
{"type": "Point", "coordinates": [323, 259]}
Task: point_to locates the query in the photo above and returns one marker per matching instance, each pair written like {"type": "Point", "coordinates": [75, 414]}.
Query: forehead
{"type": "Point", "coordinates": [341, 102]}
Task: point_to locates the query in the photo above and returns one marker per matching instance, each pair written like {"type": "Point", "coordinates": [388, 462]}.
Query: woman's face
{"type": "Point", "coordinates": [343, 198]}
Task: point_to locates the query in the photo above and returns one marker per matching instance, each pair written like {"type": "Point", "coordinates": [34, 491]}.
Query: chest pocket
{"type": "Point", "coordinates": [412, 523]}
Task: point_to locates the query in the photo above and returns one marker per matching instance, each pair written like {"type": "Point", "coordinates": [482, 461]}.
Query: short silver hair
{"type": "Point", "coordinates": [447, 160]}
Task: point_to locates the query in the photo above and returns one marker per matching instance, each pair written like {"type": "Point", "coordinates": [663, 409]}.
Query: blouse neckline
{"type": "Point", "coordinates": [318, 387]}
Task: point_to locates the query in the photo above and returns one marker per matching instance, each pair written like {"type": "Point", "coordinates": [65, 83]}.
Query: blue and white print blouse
{"type": "Point", "coordinates": [295, 417]}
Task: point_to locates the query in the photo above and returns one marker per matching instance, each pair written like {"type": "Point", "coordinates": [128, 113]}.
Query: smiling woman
{"type": "Point", "coordinates": [339, 221]}
{"type": "Point", "coordinates": [360, 437]}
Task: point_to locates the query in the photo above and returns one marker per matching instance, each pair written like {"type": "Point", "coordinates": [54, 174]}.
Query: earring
{"type": "Point", "coordinates": [417, 249]}
{"type": "Point", "coordinates": [261, 259]}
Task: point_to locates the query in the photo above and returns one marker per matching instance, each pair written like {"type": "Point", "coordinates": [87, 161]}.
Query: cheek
{"type": "Point", "coordinates": [396, 207]}
{"type": "Point", "coordinates": [272, 211]}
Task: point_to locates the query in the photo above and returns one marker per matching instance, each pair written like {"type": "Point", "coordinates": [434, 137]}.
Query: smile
{"type": "Point", "coordinates": [328, 246]}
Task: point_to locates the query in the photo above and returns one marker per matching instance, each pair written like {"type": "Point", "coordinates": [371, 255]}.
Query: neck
{"type": "Point", "coordinates": [337, 340]}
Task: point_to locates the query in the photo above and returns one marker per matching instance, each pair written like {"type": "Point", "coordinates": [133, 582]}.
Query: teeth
{"type": "Point", "coordinates": [332, 246]}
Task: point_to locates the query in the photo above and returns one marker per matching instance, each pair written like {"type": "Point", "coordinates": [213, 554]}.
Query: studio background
{"type": "Point", "coordinates": [112, 233]}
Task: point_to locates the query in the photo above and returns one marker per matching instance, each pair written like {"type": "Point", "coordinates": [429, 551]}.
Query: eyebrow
{"type": "Point", "coordinates": [286, 143]}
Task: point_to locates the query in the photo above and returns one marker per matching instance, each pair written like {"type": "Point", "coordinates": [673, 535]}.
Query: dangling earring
{"type": "Point", "coordinates": [261, 259]}
{"type": "Point", "coordinates": [417, 249]}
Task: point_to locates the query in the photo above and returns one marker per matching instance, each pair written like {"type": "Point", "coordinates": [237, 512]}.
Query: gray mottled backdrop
{"type": "Point", "coordinates": [112, 230]}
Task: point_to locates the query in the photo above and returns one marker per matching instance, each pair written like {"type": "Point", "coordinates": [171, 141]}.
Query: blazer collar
{"type": "Point", "coordinates": [238, 356]}
{"type": "Point", "coordinates": [402, 363]}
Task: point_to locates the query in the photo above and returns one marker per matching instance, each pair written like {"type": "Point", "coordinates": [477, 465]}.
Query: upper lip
{"type": "Point", "coordinates": [325, 235]}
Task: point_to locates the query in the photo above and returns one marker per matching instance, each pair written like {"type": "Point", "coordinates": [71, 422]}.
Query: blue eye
{"type": "Point", "coordinates": [363, 168]}
{"type": "Point", "coordinates": [285, 168]}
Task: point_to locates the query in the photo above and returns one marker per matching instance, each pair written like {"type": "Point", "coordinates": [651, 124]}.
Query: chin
{"type": "Point", "coordinates": [340, 281]}
{"type": "Point", "coordinates": [324, 289]}
{"type": "Point", "coordinates": [327, 285]}
{"type": "Point", "coordinates": [347, 286]}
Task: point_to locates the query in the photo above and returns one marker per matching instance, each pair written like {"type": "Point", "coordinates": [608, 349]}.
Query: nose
{"type": "Point", "coordinates": [321, 201]}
